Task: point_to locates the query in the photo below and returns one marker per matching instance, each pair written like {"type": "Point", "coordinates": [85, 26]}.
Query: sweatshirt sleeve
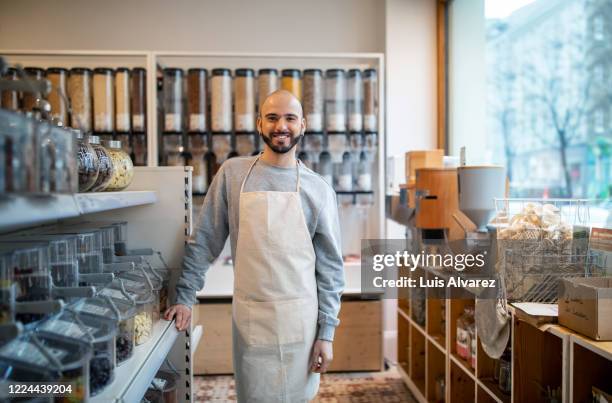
{"type": "Point", "coordinates": [207, 243]}
{"type": "Point", "coordinates": [329, 266]}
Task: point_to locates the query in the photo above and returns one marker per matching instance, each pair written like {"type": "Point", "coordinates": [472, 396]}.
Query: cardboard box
{"type": "Point", "coordinates": [585, 305]}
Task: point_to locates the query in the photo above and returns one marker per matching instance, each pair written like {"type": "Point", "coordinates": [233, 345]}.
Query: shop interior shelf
{"type": "Point", "coordinates": [482, 396]}
{"type": "Point", "coordinates": [591, 367]}
{"type": "Point", "coordinates": [417, 359]}
{"type": "Point", "coordinates": [436, 320]}
{"type": "Point", "coordinates": [403, 337]}
{"type": "Point", "coordinates": [538, 363]}
{"type": "Point", "coordinates": [462, 386]}
{"type": "Point", "coordinates": [133, 377]}
{"type": "Point", "coordinates": [436, 370]}
{"type": "Point", "coordinates": [96, 202]}
{"type": "Point", "coordinates": [485, 372]}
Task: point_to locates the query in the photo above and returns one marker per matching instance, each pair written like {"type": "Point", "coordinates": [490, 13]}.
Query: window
{"type": "Point", "coordinates": [527, 89]}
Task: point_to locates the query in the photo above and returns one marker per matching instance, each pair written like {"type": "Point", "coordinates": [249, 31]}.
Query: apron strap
{"type": "Point", "coordinates": [297, 167]}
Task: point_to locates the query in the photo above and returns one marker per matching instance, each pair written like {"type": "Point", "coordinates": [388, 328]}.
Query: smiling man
{"type": "Point", "coordinates": [282, 220]}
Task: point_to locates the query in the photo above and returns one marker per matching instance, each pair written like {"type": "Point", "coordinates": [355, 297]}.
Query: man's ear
{"type": "Point", "coordinates": [258, 125]}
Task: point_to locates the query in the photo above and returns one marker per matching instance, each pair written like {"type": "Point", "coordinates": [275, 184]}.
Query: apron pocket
{"type": "Point", "coordinates": [276, 322]}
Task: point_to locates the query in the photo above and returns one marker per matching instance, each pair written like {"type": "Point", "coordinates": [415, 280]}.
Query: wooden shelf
{"type": "Point", "coordinates": [417, 360]}
{"type": "Point", "coordinates": [590, 366]}
{"type": "Point", "coordinates": [483, 396]}
{"type": "Point", "coordinates": [436, 368]}
{"type": "Point", "coordinates": [491, 387]}
{"type": "Point", "coordinates": [462, 386]}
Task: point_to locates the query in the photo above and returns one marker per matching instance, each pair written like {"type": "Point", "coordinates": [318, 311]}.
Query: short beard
{"type": "Point", "coordinates": [281, 150]}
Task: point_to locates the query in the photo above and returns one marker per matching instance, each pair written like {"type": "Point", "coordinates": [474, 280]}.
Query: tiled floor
{"type": "Point", "coordinates": [361, 387]}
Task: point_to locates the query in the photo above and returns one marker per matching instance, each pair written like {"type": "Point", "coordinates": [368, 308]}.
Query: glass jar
{"type": "Point", "coordinates": [105, 165]}
{"type": "Point", "coordinates": [18, 167]}
{"type": "Point", "coordinates": [364, 173]}
{"type": "Point", "coordinates": [197, 150]}
{"type": "Point", "coordinates": [139, 149]}
{"type": "Point", "coordinates": [138, 92]}
{"type": "Point", "coordinates": [292, 81]}
{"type": "Point", "coordinates": [244, 91]}
{"type": "Point", "coordinates": [103, 362]}
{"type": "Point", "coordinates": [173, 100]}
{"type": "Point", "coordinates": [144, 302]}
{"type": "Point", "coordinates": [103, 100]}
{"type": "Point", "coordinates": [123, 169]}
{"type": "Point", "coordinates": [124, 304]}
{"type": "Point", "coordinates": [173, 150]}
{"type": "Point", "coordinates": [7, 288]}
{"type": "Point", "coordinates": [140, 279]}
{"type": "Point", "coordinates": [122, 100]}
{"type": "Point", "coordinates": [58, 77]}
{"type": "Point", "coordinates": [325, 167]}
{"type": "Point", "coordinates": [57, 159]}
{"type": "Point", "coordinates": [313, 100]}
{"type": "Point", "coordinates": [88, 163]}
{"type": "Point", "coordinates": [29, 98]}
{"type": "Point", "coordinates": [355, 100]}
{"type": "Point", "coordinates": [197, 105]}
{"type": "Point", "coordinates": [79, 93]}
{"type": "Point", "coordinates": [221, 101]}
{"type": "Point", "coordinates": [463, 342]}
{"type": "Point", "coordinates": [370, 100]}
{"type": "Point", "coordinates": [10, 99]}
{"type": "Point", "coordinates": [335, 100]}
{"type": "Point", "coordinates": [267, 83]}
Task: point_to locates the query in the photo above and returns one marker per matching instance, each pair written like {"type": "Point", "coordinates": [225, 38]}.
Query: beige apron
{"type": "Point", "coordinates": [275, 302]}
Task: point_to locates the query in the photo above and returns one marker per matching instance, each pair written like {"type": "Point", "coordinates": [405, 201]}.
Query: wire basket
{"type": "Point", "coordinates": [540, 241]}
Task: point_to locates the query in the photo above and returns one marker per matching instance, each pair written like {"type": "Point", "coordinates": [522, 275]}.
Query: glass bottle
{"type": "Point", "coordinates": [370, 100]}
{"type": "Point", "coordinates": [79, 93]}
{"type": "Point", "coordinates": [244, 92]}
{"type": "Point", "coordinates": [104, 100]}
{"type": "Point", "coordinates": [105, 171]}
{"type": "Point", "coordinates": [355, 100]}
{"type": "Point", "coordinates": [88, 163]}
{"type": "Point", "coordinates": [123, 169]}
{"type": "Point", "coordinates": [292, 82]}
{"type": "Point", "coordinates": [267, 83]}
{"type": "Point", "coordinates": [173, 100]}
{"type": "Point", "coordinates": [313, 100]}
{"type": "Point", "coordinates": [221, 101]}
{"type": "Point", "coordinates": [138, 92]}
{"type": "Point", "coordinates": [10, 99]}
{"type": "Point", "coordinates": [335, 100]}
{"type": "Point", "coordinates": [197, 104]}
{"type": "Point", "coordinates": [59, 109]}
{"type": "Point", "coordinates": [122, 100]}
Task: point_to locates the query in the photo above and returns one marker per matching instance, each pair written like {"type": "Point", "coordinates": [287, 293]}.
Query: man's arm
{"type": "Point", "coordinates": [329, 266]}
{"type": "Point", "coordinates": [204, 247]}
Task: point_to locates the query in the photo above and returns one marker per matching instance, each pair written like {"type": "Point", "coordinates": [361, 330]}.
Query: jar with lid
{"type": "Point", "coordinates": [138, 103]}
{"type": "Point", "coordinates": [325, 167]}
{"type": "Point", "coordinates": [463, 342]}
{"type": "Point", "coordinates": [173, 150]}
{"type": "Point", "coordinates": [197, 105]}
{"type": "Point", "coordinates": [355, 100]}
{"type": "Point", "coordinates": [10, 98]}
{"type": "Point", "coordinates": [292, 81]}
{"type": "Point", "coordinates": [141, 279]}
{"type": "Point", "coordinates": [57, 162]}
{"type": "Point", "coordinates": [313, 100]}
{"type": "Point", "coordinates": [173, 100]}
{"type": "Point", "coordinates": [29, 98]}
{"type": "Point", "coordinates": [267, 83]}
{"type": "Point", "coordinates": [88, 163]}
{"type": "Point", "coordinates": [105, 165]}
{"type": "Point", "coordinates": [79, 93]}
{"type": "Point", "coordinates": [18, 167]}
{"type": "Point", "coordinates": [221, 101]}
{"type": "Point", "coordinates": [123, 169]}
{"type": "Point", "coordinates": [370, 100]}
{"type": "Point", "coordinates": [104, 100]}
{"type": "Point", "coordinates": [7, 287]}
{"type": "Point", "coordinates": [244, 90]}
{"type": "Point", "coordinates": [122, 100]}
{"type": "Point", "coordinates": [88, 249]}
{"type": "Point", "coordinates": [144, 301]}
{"type": "Point", "coordinates": [335, 100]}
{"type": "Point", "coordinates": [344, 173]}
{"type": "Point", "coordinates": [197, 152]}
{"type": "Point", "coordinates": [58, 76]}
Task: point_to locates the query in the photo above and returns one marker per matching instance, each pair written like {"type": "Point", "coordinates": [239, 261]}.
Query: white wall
{"type": "Point", "coordinates": [410, 50]}
{"type": "Point", "coordinates": [207, 25]}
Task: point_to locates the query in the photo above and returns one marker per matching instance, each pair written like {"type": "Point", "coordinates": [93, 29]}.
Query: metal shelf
{"type": "Point", "coordinates": [133, 377]}
{"type": "Point", "coordinates": [23, 211]}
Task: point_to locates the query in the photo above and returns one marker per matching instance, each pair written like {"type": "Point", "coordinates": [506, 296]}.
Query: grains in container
{"type": "Point", "coordinates": [10, 99]}
{"type": "Point", "coordinates": [105, 171]}
{"type": "Point", "coordinates": [370, 100]}
{"type": "Point", "coordinates": [335, 100]}
{"type": "Point", "coordinates": [29, 99]}
{"type": "Point", "coordinates": [59, 109]}
{"type": "Point", "coordinates": [292, 82]}
{"type": "Point", "coordinates": [267, 83]}
{"type": "Point", "coordinates": [138, 93]}
{"type": "Point", "coordinates": [173, 100]}
{"type": "Point", "coordinates": [197, 104]}
{"type": "Point", "coordinates": [79, 93]}
{"type": "Point", "coordinates": [122, 99]}
{"type": "Point", "coordinates": [104, 100]}
{"type": "Point", "coordinates": [313, 100]}
{"type": "Point", "coordinates": [123, 169]}
{"type": "Point", "coordinates": [244, 91]}
{"type": "Point", "coordinates": [355, 100]}
{"type": "Point", "coordinates": [221, 101]}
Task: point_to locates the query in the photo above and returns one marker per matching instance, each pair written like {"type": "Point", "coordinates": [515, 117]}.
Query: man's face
{"type": "Point", "coordinates": [281, 122]}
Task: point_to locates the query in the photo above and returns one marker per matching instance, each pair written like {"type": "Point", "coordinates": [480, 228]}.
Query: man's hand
{"type": "Point", "coordinates": [322, 356]}
{"type": "Point", "coordinates": [182, 314]}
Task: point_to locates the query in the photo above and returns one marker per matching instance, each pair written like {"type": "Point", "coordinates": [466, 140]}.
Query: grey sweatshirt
{"type": "Point", "coordinates": [219, 218]}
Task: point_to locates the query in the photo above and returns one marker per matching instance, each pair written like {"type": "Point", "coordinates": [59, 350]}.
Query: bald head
{"type": "Point", "coordinates": [281, 99]}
